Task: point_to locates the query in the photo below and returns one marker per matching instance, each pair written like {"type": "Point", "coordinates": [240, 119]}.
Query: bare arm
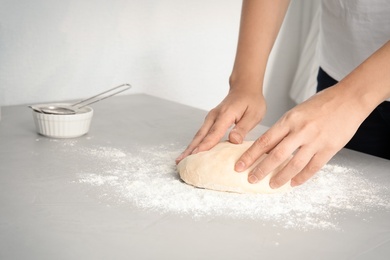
{"type": "Point", "coordinates": [244, 105]}
{"type": "Point", "coordinates": [315, 130]}
{"type": "Point", "coordinates": [259, 27]}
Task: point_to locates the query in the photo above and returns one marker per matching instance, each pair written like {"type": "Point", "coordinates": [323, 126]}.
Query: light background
{"type": "Point", "coordinates": [177, 50]}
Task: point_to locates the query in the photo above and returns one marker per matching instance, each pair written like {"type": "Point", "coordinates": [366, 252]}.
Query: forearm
{"type": "Point", "coordinates": [369, 84]}
{"type": "Point", "coordinates": [259, 27]}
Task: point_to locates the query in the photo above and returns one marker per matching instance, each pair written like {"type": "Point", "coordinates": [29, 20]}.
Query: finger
{"type": "Point", "coordinates": [207, 137]}
{"type": "Point", "coordinates": [296, 164]}
{"type": "Point", "coordinates": [315, 164]}
{"type": "Point", "coordinates": [243, 126]}
{"type": "Point", "coordinates": [263, 144]}
{"type": "Point", "coordinates": [214, 135]}
{"type": "Point", "coordinates": [199, 136]}
{"type": "Point", "coordinates": [275, 158]}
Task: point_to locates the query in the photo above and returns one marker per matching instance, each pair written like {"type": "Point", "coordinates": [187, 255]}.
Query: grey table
{"type": "Point", "coordinates": [54, 203]}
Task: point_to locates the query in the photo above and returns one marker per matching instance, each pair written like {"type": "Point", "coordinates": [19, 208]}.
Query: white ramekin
{"type": "Point", "coordinates": [63, 126]}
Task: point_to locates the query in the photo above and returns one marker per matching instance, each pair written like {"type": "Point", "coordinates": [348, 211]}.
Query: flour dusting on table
{"type": "Point", "coordinates": [148, 180]}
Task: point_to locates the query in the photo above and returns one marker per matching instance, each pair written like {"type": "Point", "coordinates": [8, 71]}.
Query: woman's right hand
{"type": "Point", "coordinates": [243, 107]}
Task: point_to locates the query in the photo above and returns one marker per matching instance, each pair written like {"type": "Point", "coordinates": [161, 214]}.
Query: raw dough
{"type": "Point", "coordinates": [214, 169]}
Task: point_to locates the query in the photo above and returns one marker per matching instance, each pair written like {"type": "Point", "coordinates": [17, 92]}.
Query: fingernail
{"type": "Point", "coordinates": [293, 183]}
{"type": "Point", "coordinates": [272, 185]}
{"type": "Point", "coordinates": [240, 166]}
{"type": "Point", "coordinates": [195, 150]}
{"type": "Point", "coordinates": [252, 179]}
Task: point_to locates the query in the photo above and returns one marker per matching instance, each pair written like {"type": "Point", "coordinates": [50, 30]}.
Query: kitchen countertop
{"type": "Point", "coordinates": [79, 199]}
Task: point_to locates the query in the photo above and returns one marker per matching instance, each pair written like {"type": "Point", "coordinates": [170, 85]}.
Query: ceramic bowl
{"type": "Point", "coordinates": [63, 126]}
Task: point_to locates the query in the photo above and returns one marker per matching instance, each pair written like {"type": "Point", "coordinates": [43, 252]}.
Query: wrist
{"type": "Point", "coordinates": [249, 83]}
{"type": "Point", "coordinates": [369, 83]}
{"type": "Point", "coordinates": [358, 99]}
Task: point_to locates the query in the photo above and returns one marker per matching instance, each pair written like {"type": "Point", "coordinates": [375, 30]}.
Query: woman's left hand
{"type": "Point", "coordinates": [311, 134]}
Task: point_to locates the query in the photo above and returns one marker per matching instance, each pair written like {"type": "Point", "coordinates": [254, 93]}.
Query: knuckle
{"type": "Point", "coordinates": [212, 113]}
{"type": "Point", "coordinates": [313, 168]}
{"type": "Point", "coordinates": [280, 180]}
{"type": "Point", "coordinates": [290, 116]}
{"type": "Point", "coordinates": [248, 158]}
{"type": "Point", "coordinates": [262, 142]}
{"type": "Point", "coordinates": [200, 133]}
{"type": "Point", "coordinates": [214, 133]}
{"type": "Point", "coordinates": [278, 154]}
{"type": "Point", "coordinates": [259, 172]}
{"type": "Point", "coordinates": [297, 164]}
{"type": "Point", "coordinates": [311, 128]}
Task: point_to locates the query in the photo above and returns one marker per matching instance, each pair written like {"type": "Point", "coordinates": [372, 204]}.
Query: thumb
{"type": "Point", "coordinates": [241, 129]}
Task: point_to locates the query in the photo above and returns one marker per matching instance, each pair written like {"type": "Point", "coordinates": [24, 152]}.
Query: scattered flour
{"type": "Point", "coordinates": [148, 180]}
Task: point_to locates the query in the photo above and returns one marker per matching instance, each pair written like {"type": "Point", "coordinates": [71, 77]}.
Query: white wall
{"type": "Point", "coordinates": [178, 50]}
{"type": "Point", "coordinates": [57, 50]}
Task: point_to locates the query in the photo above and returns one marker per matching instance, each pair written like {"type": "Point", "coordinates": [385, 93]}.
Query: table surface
{"type": "Point", "coordinates": [114, 194]}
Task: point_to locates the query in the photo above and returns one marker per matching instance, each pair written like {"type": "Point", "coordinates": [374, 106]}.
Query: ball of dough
{"type": "Point", "coordinates": [214, 170]}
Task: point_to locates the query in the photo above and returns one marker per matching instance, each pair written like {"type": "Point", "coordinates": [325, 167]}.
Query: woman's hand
{"type": "Point", "coordinates": [311, 134]}
{"type": "Point", "coordinates": [244, 105]}
{"type": "Point", "coordinates": [241, 107]}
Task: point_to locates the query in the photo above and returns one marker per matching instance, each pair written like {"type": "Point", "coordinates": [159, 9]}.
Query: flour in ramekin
{"type": "Point", "coordinates": [148, 180]}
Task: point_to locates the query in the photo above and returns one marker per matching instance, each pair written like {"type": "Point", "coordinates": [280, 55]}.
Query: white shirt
{"type": "Point", "coordinates": [351, 30]}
